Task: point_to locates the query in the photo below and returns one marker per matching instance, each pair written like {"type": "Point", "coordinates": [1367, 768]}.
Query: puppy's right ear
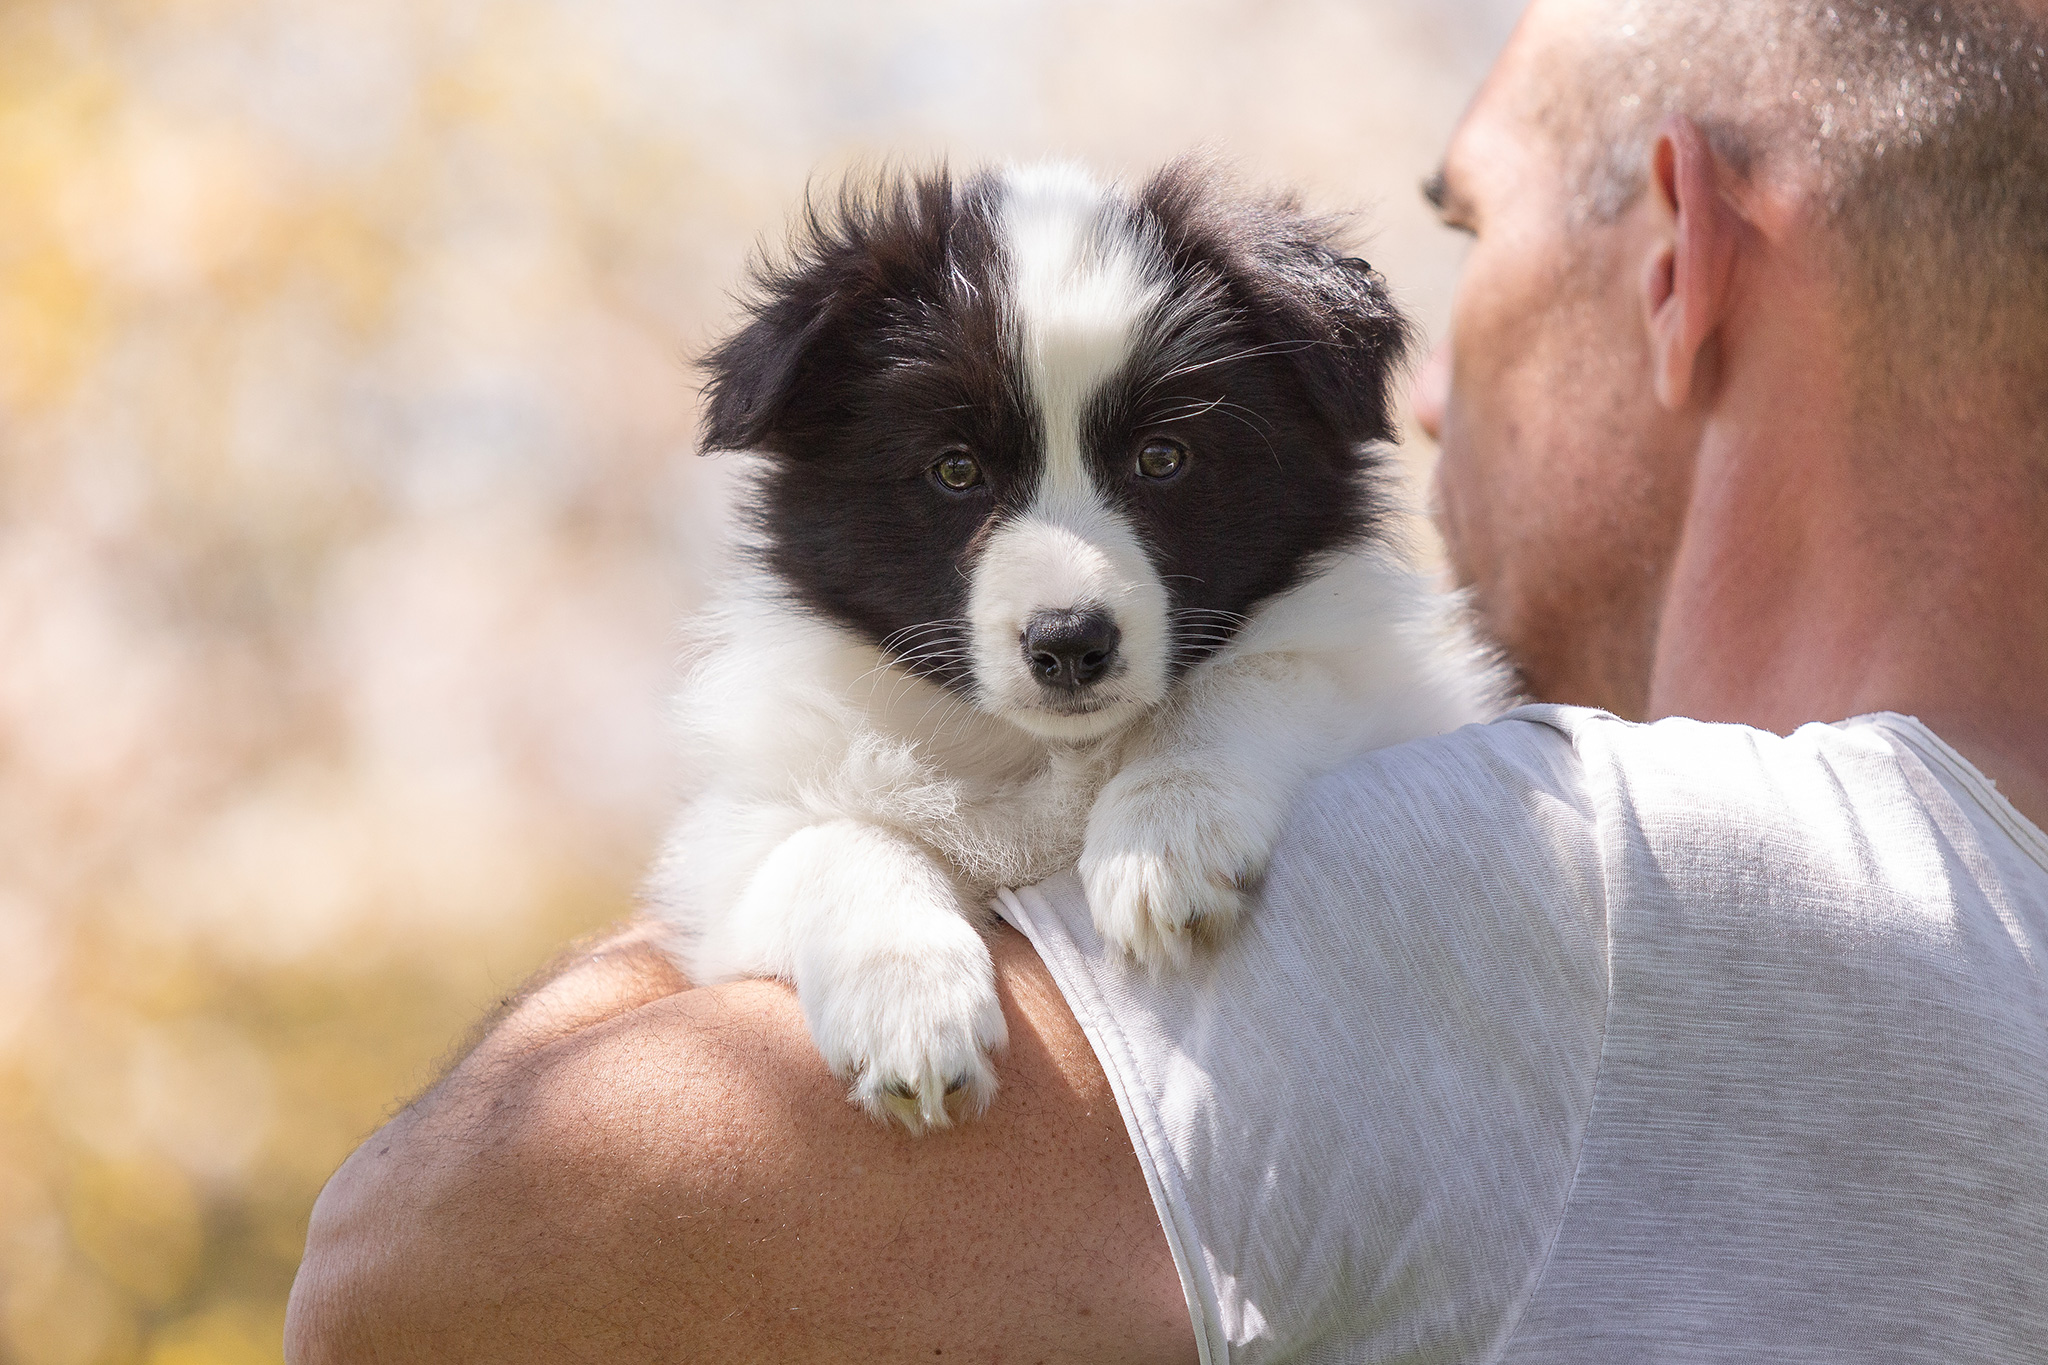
{"type": "Point", "coordinates": [755, 371]}
{"type": "Point", "coordinates": [784, 376]}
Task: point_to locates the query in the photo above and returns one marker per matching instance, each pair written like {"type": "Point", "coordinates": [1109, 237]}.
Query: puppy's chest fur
{"type": "Point", "coordinates": [829, 729]}
{"type": "Point", "coordinates": [1065, 544]}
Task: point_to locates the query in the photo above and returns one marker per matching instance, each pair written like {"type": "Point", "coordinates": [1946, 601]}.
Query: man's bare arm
{"type": "Point", "coordinates": [626, 1169]}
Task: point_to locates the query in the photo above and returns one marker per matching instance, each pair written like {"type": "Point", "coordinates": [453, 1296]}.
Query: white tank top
{"type": "Point", "coordinates": [1562, 1039]}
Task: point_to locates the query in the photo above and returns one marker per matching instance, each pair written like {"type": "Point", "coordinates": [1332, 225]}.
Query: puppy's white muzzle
{"type": "Point", "coordinates": [1069, 624]}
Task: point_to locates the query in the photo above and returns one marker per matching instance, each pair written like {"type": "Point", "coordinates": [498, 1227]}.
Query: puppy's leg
{"type": "Point", "coordinates": [1184, 830]}
{"type": "Point", "coordinates": [894, 977]}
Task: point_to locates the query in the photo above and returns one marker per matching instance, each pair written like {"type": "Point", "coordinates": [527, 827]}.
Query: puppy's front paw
{"type": "Point", "coordinates": [1168, 861]}
{"type": "Point", "coordinates": [911, 1025]}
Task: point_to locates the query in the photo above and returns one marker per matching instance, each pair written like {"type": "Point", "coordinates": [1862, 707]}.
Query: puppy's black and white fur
{"type": "Point", "coordinates": [1065, 543]}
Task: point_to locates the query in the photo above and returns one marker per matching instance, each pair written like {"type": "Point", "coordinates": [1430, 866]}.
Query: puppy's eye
{"type": "Point", "coordinates": [1160, 458]}
{"type": "Point", "coordinates": [957, 470]}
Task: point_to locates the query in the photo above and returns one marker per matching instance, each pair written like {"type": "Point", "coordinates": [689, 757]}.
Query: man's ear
{"type": "Point", "coordinates": [1685, 281]}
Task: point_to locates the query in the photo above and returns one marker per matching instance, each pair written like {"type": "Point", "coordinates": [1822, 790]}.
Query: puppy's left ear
{"type": "Point", "coordinates": [753, 372]}
{"type": "Point", "coordinates": [1331, 314]}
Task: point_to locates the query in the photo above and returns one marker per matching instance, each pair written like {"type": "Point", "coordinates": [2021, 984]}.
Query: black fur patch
{"type": "Point", "coordinates": [875, 348]}
{"type": "Point", "coordinates": [1275, 372]}
{"type": "Point", "coordinates": [880, 343]}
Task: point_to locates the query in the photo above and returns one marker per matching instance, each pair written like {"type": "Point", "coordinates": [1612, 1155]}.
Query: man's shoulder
{"type": "Point", "coordinates": [1619, 771]}
{"type": "Point", "coordinates": [1519, 772]}
{"type": "Point", "coordinates": [1679, 826]}
{"type": "Point", "coordinates": [1554, 790]}
{"type": "Point", "coordinates": [1495, 819]}
{"type": "Point", "coordinates": [1475, 767]}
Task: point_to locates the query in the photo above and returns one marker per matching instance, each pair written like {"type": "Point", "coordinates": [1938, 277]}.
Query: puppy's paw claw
{"type": "Point", "coordinates": [1157, 908]}
{"type": "Point", "coordinates": [926, 1100]}
{"type": "Point", "coordinates": [913, 1035]}
{"type": "Point", "coordinates": [1166, 866]}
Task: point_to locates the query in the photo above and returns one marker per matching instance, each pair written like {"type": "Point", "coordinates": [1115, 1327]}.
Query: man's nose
{"type": "Point", "coordinates": [1432, 390]}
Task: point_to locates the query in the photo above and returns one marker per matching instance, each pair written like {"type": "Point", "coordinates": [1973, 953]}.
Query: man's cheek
{"type": "Point", "coordinates": [1430, 395]}
{"type": "Point", "coordinates": [1451, 511]}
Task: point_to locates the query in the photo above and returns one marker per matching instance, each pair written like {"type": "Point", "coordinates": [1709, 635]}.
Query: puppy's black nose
{"type": "Point", "coordinates": [1070, 649]}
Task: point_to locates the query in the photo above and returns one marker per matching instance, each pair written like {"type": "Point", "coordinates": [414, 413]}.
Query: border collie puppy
{"type": "Point", "coordinates": [1065, 542]}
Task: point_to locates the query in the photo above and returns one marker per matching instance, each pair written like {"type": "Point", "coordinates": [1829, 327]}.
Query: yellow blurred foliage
{"type": "Point", "coordinates": [47, 327]}
{"type": "Point", "coordinates": [347, 509]}
{"type": "Point", "coordinates": [236, 1333]}
{"type": "Point", "coordinates": [138, 1222]}
{"type": "Point", "coordinates": [65, 1315]}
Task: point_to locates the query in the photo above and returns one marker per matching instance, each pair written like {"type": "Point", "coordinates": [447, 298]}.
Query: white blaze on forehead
{"type": "Point", "coordinates": [1082, 280]}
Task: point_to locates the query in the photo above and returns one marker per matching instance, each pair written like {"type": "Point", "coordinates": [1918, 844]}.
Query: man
{"type": "Point", "coordinates": [1556, 1039]}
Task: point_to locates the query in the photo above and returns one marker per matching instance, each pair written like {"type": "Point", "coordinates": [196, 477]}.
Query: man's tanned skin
{"type": "Point", "coordinates": [627, 1169]}
{"type": "Point", "coordinates": [1657, 477]}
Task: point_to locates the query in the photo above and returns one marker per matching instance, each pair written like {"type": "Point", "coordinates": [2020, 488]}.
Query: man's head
{"type": "Point", "coordinates": [1856, 194]}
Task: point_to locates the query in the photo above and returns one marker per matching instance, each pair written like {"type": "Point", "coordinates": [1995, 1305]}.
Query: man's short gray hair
{"type": "Point", "coordinates": [1923, 124]}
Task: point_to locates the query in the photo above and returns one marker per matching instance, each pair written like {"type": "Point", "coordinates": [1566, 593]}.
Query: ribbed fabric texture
{"type": "Point", "coordinates": [1563, 1039]}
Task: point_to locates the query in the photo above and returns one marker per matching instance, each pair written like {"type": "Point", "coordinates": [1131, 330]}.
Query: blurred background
{"type": "Point", "coordinates": [348, 508]}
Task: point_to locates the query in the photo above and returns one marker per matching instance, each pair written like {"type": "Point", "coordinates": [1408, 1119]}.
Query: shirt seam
{"type": "Point", "coordinates": [1932, 749]}
{"type": "Point", "coordinates": [1511, 1322]}
{"type": "Point", "coordinates": [1112, 1048]}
